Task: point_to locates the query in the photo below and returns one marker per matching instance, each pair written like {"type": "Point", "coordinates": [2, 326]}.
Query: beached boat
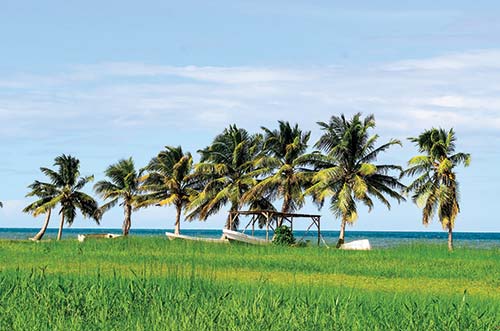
{"type": "Point", "coordinates": [172, 236]}
{"type": "Point", "coordinates": [82, 237]}
{"type": "Point", "coordinates": [238, 236]}
{"type": "Point", "coordinates": [361, 245]}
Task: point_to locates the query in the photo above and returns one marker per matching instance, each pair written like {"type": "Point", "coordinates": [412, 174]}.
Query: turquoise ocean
{"type": "Point", "coordinates": [377, 238]}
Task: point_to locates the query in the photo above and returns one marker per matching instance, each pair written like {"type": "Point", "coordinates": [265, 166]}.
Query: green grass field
{"type": "Point", "coordinates": [154, 284]}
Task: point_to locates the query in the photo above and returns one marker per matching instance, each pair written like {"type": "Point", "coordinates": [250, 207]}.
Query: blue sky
{"type": "Point", "coordinates": [108, 80]}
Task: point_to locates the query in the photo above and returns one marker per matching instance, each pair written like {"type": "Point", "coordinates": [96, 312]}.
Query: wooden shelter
{"type": "Point", "coordinates": [275, 218]}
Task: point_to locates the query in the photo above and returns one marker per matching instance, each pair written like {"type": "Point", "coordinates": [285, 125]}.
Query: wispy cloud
{"type": "Point", "coordinates": [458, 90]}
{"type": "Point", "coordinates": [479, 59]}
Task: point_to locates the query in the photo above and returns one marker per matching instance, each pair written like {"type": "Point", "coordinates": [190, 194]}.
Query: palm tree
{"type": "Point", "coordinates": [45, 192]}
{"type": "Point", "coordinates": [124, 185]}
{"type": "Point", "coordinates": [436, 188]}
{"type": "Point", "coordinates": [347, 174]}
{"type": "Point", "coordinates": [67, 184]}
{"type": "Point", "coordinates": [170, 181]}
{"type": "Point", "coordinates": [284, 162]}
{"type": "Point", "coordinates": [227, 171]}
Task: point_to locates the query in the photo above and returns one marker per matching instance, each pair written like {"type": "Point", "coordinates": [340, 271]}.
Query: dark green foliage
{"type": "Point", "coordinates": [283, 167]}
{"type": "Point", "coordinates": [122, 184]}
{"type": "Point", "coordinates": [348, 173]}
{"type": "Point", "coordinates": [169, 180]}
{"type": "Point", "coordinates": [227, 169]}
{"type": "Point", "coordinates": [64, 191]}
{"type": "Point", "coordinates": [283, 236]}
{"type": "Point", "coordinates": [435, 188]}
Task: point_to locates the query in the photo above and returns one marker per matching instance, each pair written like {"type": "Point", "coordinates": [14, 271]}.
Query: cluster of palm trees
{"type": "Point", "coordinates": [239, 169]}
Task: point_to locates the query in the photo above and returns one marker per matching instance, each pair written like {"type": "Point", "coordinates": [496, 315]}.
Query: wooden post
{"type": "Point", "coordinates": [319, 230]}
{"type": "Point", "coordinates": [267, 226]}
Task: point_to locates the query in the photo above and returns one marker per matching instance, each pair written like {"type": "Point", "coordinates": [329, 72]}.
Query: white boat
{"type": "Point", "coordinates": [238, 236]}
{"type": "Point", "coordinates": [358, 245]}
{"type": "Point", "coordinates": [172, 236]}
{"type": "Point", "coordinates": [82, 237]}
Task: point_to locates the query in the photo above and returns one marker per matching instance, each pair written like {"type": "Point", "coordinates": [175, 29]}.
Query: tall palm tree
{"type": "Point", "coordinates": [436, 187]}
{"type": "Point", "coordinates": [227, 171]}
{"type": "Point", "coordinates": [284, 167]}
{"type": "Point", "coordinates": [45, 192]}
{"type": "Point", "coordinates": [170, 181]}
{"type": "Point", "coordinates": [123, 185]}
{"type": "Point", "coordinates": [67, 184]}
{"type": "Point", "coordinates": [346, 173]}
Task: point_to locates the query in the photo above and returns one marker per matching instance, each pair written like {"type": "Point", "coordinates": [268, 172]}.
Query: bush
{"type": "Point", "coordinates": [283, 236]}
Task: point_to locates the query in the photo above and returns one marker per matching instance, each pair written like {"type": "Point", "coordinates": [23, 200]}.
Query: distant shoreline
{"type": "Point", "coordinates": [378, 239]}
{"type": "Point", "coordinates": [220, 229]}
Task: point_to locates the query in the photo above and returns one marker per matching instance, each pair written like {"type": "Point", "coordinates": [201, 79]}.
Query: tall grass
{"type": "Point", "coordinates": [153, 284]}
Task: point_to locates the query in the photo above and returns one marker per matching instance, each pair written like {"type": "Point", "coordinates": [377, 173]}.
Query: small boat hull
{"type": "Point", "coordinates": [173, 236]}
{"type": "Point", "coordinates": [357, 245]}
{"type": "Point", "coordinates": [238, 236]}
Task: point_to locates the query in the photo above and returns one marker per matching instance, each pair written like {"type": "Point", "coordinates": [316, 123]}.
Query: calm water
{"type": "Point", "coordinates": [377, 238]}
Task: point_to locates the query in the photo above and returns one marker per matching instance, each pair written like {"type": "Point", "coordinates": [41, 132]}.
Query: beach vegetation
{"type": "Point", "coordinates": [347, 172]}
{"type": "Point", "coordinates": [227, 170]}
{"type": "Point", "coordinates": [123, 185]}
{"type": "Point", "coordinates": [169, 180]}
{"type": "Point", "coordinates": [436, 189]}
{"type": "Point", "coordinates": [66, 185]}
{"type": "Point", "coordinates": [155, 284]}
{"type": "Point", "coordinates": [44, 192]}
{"type": "Point", "coordinates": [282, 171]}
{"type": "Point", "coordinates": [283, 235]}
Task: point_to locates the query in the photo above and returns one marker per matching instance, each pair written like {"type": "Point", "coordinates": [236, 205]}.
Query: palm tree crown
{"type": "Point", "coordinates": [124, 185]}
{"type": "Point", "coordinates": [66, 184]}
{"type": "Point", "coordinates": [346, 173]}
{"type": "Point", "coordinates": [170, 181]}
{"type": "Point", "coordinates": [227, 171]}
{"type": "Point", "coordinates": [45, 192]}
{"type": "Point", "coordinates": [436, 189]}
{"type": "Point", "coordinates": [284, 164]}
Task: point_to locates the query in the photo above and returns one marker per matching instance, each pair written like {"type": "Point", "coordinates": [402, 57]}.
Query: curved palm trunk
{"type": "Point", "coordinates": [61, 224]}
{"type": "Point", "coordinates": [177, 229]}
{"type": "Point", "coordinates": [40, 233]}
{"type": "Point", "coordinates": [342, 233]}
{"type": "Point", "coordinates": [284, 209]}
{"type": "Point", "coordinates": [127, 222]}
{"type": "Point", "coordinates": [450, 238]}
{"type": "Point", "coordinates": [232, 222]}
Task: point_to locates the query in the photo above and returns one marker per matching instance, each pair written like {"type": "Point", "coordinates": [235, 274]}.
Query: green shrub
{"type": "Point", "coordinates": [283, 236]}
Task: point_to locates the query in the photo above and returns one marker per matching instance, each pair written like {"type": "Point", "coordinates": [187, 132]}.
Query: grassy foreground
{"type": "Point", "coordinates": [153, 284]}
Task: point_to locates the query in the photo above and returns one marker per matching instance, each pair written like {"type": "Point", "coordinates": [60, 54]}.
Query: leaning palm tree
{"type": "Point", "coordinates": [227, 170]}
{"type": "Point", "coordinates": [67, 184]}
{"type": "Point", "coordinates": [346, 173]}
{"type": "Point", "coordinates": [123, 185]}
{"type": "Point", "coordinates": [45, 192]}
{"type": "Point", "coordinates": [170, 181]}
{"type": "Point", "coordinates": [436, 188]}
{"type": "Point", "coordinates": [284, 167]}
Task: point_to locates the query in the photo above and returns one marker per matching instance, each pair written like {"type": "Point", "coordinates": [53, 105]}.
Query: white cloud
{"type": "Point", "coordinates": [226, 75]}
{"type": "Point", "coordinates": [458, 61]}
{"type": "Point", "coordinates": [449, 90]}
